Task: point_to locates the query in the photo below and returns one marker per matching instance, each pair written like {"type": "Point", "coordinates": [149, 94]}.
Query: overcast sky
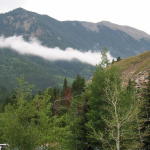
{"type": "Point", "coordinates": [135, 13]}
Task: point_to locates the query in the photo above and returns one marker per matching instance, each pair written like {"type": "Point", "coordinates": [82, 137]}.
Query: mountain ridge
{"type": "Point", "coordinates": [121, 41]}
{"type": "Point", "coordinates": [104, 22]}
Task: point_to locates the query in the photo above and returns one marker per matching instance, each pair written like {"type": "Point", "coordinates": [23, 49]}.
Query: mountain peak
{"type": "Point", "coordinates": [19, 10]}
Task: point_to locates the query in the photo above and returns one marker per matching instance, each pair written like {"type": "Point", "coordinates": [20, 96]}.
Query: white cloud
{"type": "Point", "coordinates": [34, 47]}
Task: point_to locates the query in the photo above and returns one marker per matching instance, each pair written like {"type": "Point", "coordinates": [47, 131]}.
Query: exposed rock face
{"type": "Point", "coordinates": [136, 69]}
{"type": "Point", "coordinates": [141, 79]}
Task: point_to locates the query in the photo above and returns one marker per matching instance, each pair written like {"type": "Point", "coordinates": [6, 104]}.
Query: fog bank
{"type": "Point", "coordinates": [34, 47]}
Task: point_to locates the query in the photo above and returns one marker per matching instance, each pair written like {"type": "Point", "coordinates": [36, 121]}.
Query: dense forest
{"type": "Point", "coordinates": [100, 114]}
{"type": "Point", "coordinates": [40, 72]}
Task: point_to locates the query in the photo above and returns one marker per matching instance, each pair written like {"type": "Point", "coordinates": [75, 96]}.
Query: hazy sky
{"type": "Point", "coordinates": [135, 13]}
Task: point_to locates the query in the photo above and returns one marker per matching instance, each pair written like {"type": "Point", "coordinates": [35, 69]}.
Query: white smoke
{"type": "Point", "coordinates": [34, 47]}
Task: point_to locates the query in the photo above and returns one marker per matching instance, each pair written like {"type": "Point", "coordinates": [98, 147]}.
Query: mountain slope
{"type": "Point", "coordinates": [122, 41]}
{"type": "Point", "coordinates": [37, 71]}
{"type": "Point", "coordinates": [136, 68]}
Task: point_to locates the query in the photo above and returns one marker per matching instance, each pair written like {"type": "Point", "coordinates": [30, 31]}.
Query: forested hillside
{"type": "Point", "coordinates": [37, 71]}
{"type": "Point", "coordinates": [102, 114]}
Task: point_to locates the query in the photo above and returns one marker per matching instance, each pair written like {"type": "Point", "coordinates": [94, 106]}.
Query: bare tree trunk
{"type": "Point", "coordinates": [118, 137]}
{"type": "Point", "coordinates": [117, 126]}
{"type": "Point", "coordinates": [139, 130]}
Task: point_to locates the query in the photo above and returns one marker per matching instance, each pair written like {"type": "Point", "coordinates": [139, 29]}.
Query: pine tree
{"type": "Point", "coordinates": [112, 112]}
{"type": "Point", "coordinates": [30, 123]}
{"type": "Point", "coordinates": [65, 86]}
{"type": "Point", "coordinates": [78, 120]}
{"type": "Point", "coordinates": [118, 58]}
{"type": "Point", "coordinates": [78, 85]}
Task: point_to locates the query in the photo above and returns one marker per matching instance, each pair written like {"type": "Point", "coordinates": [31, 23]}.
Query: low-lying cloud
{"type": "Point", "coordinates": [34, 47]}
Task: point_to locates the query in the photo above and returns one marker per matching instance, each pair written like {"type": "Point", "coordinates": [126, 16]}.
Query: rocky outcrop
{"type": "Point", "coordinates": [141, 79]}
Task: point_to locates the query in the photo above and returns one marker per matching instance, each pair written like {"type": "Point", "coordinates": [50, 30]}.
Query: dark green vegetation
{"type": "Point", "coordinates": [120, 40]}
{"type": "Point", "coordinates": [37, 71]}
{"type": "Point", "coordinates": [100, 115]}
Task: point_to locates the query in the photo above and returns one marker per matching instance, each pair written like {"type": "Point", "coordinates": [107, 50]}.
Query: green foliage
{"type": "Point", "coordinates": [65, 86]}
{"type": "Point", "coordinates": [29, 124]}
{"type": "Point", "coordinates": [19, 127]}
{"type": "Point", "coordinates": [113, 111]}
{"type": "Point", "coordinates": [78, 85]}
{"type": "Point", "coordinates": [104, 59]}
{"type": "Point", "coordinates": [103, 115]}
{"type": "Point", "coordinates": [36, 71]}
{"type": "Point", "coordinates": [97, 104]}
{"type": "Point", "coordinates": [78, 119]}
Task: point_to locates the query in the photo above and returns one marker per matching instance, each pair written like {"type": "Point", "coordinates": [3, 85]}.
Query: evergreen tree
{"type": "Point", "coordinates": [112, 112]}
{"type": "Point", "coordinates": [78, 121]}
{"type": "Point", "coordinates": [20, 130]}
{"type": "Point", "coordinates": [29, 123]}
{"type": "Point", "coordinates": [96, 106]}
{"type": "Point", "coordinates": [78, 85]}
{"type": "Point", "coordinates": [118, 58]}
{"type": "Point", "coordinates": [65, 85]}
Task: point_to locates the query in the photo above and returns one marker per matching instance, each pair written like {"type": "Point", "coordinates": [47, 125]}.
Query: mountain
{"type": "Point", "coordinates": [121, 41]}
{"type": "Point", "coordinates": [38, 71]}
